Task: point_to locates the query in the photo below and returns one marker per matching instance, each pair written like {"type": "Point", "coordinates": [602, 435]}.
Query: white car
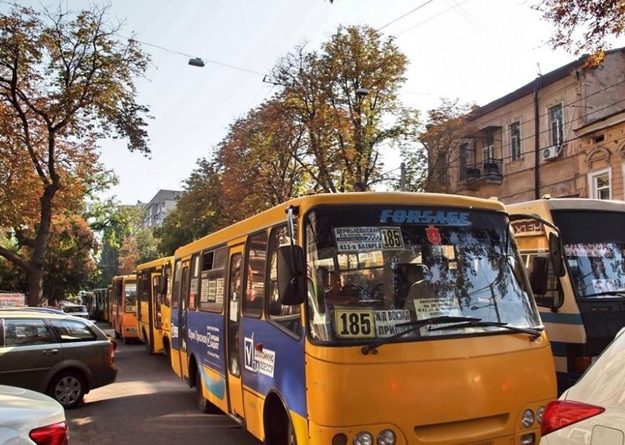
{"type": "Point", "coordinates": [592, 412]}
{"type": "Point", "coordinates": [78, 310]}
{"type": "Point", "coordinates": [28, 417]}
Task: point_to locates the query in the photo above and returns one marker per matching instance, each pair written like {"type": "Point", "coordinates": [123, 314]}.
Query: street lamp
{"type": "Point", "coordinates": [196, 61]}
{"type": "Point", "coordinates": [361, 93]}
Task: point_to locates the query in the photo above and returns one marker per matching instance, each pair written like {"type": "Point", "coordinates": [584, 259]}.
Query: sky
{"type": "Point", "coordinates": [473, 50]}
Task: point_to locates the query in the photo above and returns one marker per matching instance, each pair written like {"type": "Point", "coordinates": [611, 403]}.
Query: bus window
{"type": "Point", "coordinates": [255, 278]}
{"type": "Point", "coordinates": [212, 280]}
{"type": "Point", "coordinates": [195, 283]}
{"type": "Point", "coordinates": [176, 285]}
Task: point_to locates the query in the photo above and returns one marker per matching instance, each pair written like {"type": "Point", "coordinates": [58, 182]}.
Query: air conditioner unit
{"type": "Point", "coordinates": [551, 153]}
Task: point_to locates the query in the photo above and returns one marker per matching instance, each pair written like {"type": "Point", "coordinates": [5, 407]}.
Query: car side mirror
{"type": "Point", "coordinates": [291, 275]}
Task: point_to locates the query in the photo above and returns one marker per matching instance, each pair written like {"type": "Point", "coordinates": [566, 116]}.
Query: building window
{"type": "Point", "coordinates": [600, 184]}
{"type": "Point", "coordinates": [515, 140]}
{"type": "Point", "coordinates": [488, 152]}
{"type": "Point", "coordinates": [556, 125]}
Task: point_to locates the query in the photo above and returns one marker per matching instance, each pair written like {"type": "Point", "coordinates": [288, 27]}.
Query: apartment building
{"type": "Point", "coordinates": [562, 134]}
{"type": "Point", "coordinates": [159, 206]}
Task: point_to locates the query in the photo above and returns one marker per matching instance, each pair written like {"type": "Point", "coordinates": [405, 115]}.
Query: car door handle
{"type": "Point", "coordinates": [50, 351]}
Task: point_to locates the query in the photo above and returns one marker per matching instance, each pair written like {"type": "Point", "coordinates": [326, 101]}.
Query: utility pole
{"type": "Point", "coordinates": [402, 176]}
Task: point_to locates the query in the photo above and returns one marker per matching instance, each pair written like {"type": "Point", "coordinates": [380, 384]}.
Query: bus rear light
{"type": "Point", "coordinates": [56, 434]}
{"type": "Point", "coordinates": [561, 413]}
{"type": "Point", "coordinates": [528, 439]}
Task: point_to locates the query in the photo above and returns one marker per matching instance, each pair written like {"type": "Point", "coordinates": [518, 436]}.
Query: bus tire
{"type": "Point", "coordinates": [203, 404]}
{"type": "Point", "coordinates": [146, 343]}
{"type": "Point", "coordinates": [167, 349]}
{"type": "Point", "coordinates": [279, 429]}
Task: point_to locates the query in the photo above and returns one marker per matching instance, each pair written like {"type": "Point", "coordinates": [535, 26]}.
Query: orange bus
{"type": "Point", "coordinates": [124, 307]}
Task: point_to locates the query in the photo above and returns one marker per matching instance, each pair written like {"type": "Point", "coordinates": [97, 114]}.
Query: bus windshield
{"type": "Point", "coordinates": [594, 245]}
{"type": "Point", "coordinates": [373, 270]}
{"type": "Point", "coordinates": [131, 296]}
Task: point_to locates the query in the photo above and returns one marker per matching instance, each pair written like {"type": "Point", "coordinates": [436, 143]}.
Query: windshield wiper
{"type": "Point", "coordinates": [533, 332]}
{"type": "Point", "coordinates": [618, 293]}
{"type": "Point", "coordinates": [413, 326]}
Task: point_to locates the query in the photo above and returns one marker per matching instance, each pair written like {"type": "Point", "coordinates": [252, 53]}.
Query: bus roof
{"type": "Point", "coordinates": [566, 204]}
{"type": "Point", "coordinates": [277, 214]}
{"type": "Point", "coordinates": [125, 277]}
{"type": "Point", "coordinates": [156, 263]}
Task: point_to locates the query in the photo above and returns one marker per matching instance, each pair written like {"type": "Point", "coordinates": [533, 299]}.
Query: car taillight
{"type": "Point", "coordinates": [561, 413]}
{"type": "Point", "coordinates": [111, 352]}
{"type": "Point", "coordinates": [56, 434]}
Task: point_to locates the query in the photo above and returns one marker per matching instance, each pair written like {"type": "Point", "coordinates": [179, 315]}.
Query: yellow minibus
{"type": "Point", "coordinates": [154, 308]}
{"type": "Point", "coordinates": [365, 318]}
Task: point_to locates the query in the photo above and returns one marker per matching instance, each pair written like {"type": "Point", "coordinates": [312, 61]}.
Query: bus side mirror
{"type": "Point", "coordinates": [291, 275]}
{"type": "Point", "coordinates": [538, 275]}
{"type": "Point", "coordinates": [557, 259]}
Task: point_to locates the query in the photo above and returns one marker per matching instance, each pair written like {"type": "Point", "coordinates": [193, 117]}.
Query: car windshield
{"type": "Point", "coordinates": [72, 309]}
{"type": "Point", "coordinates": [373, 270]}
{"type": "Point", "coordinates": [594, 245]}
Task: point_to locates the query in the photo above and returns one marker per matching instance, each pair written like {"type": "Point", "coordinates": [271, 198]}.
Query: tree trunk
{"type": "Point", "coordinates": [35, 282]}
{"type": "Point", "coordinates": [35, 265]}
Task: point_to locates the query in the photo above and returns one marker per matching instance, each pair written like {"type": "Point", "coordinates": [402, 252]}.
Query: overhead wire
{"type": "Point", "coordinates": [422, 5]}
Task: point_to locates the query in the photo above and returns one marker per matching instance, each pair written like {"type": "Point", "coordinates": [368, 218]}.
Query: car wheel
{"type": "Point", "coordinates": [68, 388]}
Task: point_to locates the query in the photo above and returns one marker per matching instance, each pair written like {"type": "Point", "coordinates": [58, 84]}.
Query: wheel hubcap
{"type": "Point", "coordinates": [67, 390]}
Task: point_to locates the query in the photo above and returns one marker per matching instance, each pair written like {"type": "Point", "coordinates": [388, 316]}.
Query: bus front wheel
{"type": "Point", "coordinates": [280, 429]}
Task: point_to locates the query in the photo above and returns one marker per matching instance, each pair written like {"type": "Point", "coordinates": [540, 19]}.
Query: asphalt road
{"type": "Point", "coordinates": [148, 404]}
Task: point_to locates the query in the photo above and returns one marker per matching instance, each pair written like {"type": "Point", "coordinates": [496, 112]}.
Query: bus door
{"type": "Point", "coordinates": [182, 319]}
{"type": "Point", "coordinates": [233, 331]}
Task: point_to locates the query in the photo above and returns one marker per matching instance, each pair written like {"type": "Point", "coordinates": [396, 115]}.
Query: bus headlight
{"type": "Point", "coordinates": [539, 414]}
{"type": "Point", "coordinates": [363, 438]}
{"type": "Point", "coordinates": [386, 437]}
{"type": "Point", "coordinates": [528, 418]}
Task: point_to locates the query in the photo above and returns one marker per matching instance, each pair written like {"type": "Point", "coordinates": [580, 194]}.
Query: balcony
{"type": "Point", "coordinates": [489, 172]}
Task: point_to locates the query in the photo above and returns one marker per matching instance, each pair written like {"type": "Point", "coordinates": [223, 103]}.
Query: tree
{"type": "Point", "coordinates": [257, 163]}
{"type": "Point", "coordinates": [64, 83]}
{"type": "Point", "coordinates": [584, 25]}
{"type": "Point", "coordinates": [119, 226]}
{"type": "Point", "coordinates": [345, 99]}
{"type": "Point", "coordinates": [441, 137]}
{"type": "Point", "coordinates": [69, 261]}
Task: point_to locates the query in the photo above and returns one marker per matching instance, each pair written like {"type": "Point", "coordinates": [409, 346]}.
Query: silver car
{"type": "Point", "coordinates": [59, 355]}
{"type": "Point", "coordinates": [27, 417]}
